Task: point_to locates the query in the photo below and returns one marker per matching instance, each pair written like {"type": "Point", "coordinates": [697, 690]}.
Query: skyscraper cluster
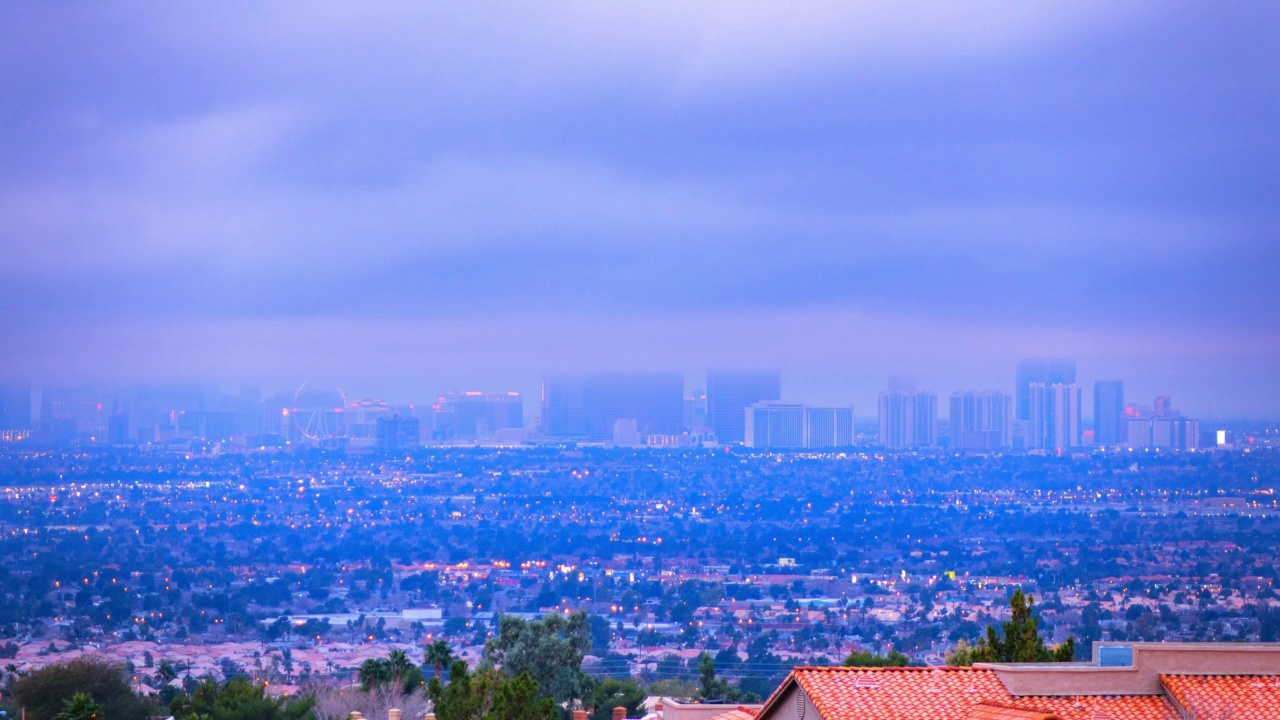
{"type": "Point", "coordinates": [586, 406]}
{"type": "Point", "coordinates": [1045, 413]}
{"type": "Point", "coordinates": [739, 406]}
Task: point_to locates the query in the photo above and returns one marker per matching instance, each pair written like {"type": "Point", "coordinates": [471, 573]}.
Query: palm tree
{"type": "Point", "coordinates": [166, 672]}
{"type": "Point", "coordinates": [398, 664]}
{"type": "Point", "coordinates": [439, 656]}
{"type": "Point", "coordinates": [80, 707]}
{"type": "Point", "coordinates": [373, 673]}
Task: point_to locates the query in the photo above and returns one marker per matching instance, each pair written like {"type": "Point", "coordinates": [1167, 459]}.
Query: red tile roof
{"type": "Point", "coordinates": [899, 693]}
{"type": "Point", "coordinates": [911, 693]}
{"type": "Point", "coordinates": [1238, 697]}
{"type": "Point", "coordinates": [987, 711]}
{"type": "Point", "coordinates": [1105, 707]}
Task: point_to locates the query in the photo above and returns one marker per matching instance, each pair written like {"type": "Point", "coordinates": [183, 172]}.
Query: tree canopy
{"type": "Point", "coordinates": [488, 694]}
{"type": "Point", "coordinates": [438, 656]}
{"type": "Point", "coordinates": [80, 707]}
{"type": "Point", "coordinates": [395, 670]}
{"type": "Point", "coordinates": [712, 688]}
{"type": "Point", "coordinates": [238, 699]}
{"type": "Point", "coordinates": [1017, 640]}
{"type": "Point", "coordinates": [862, 658]}
{"type": "Point", "coordinates": [609, 693]}
{"type": "Point", "coordinates": [46, 692]}
{"type": "Point", "coordinates": [549, 650]}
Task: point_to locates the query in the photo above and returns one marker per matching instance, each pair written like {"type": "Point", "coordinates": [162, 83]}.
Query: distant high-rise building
{"type": "Point", "coordinates": [908, 419]}
{"type": "Point", "coordinates": [1043, 372]}
{"type": "Point", "coordinates": [361, 417]}
{"type": "Point", "coordinates": [828, 427]}
{"type": "Point", "coordinates": [783, 426]}
{"type": "Point", "coordinates": [897, 412]}
{"type": "Point", "coordinates": [1175, 433]}
{"type": "Point", "coordinates": [1109, 424]}
{"type": "Point", "coordinates": [397, 432]}
{"type": "Point", "coordinates": [1164, 428]}
{"type": "Point", "coordinates": [981, 420]}
{"type": "Point", "coordinates": [155, 412]}
{"type": "Point", "coordinates": [774, 425]}
{"type": "Point", "coordinates": [586, 406]}
{"type": "Point", "coordinates": [1055, 416]}
{"type": "Point", "coordinates": [731, 392]}
{"type": "Point", "coordinates": [15, 407]}
{"type": "Point", "coordinates": [118, 429]}
{"type": "Point", "coordinates": [253, 418]}
{"type": "Point", "coordinates": [86, 409]}
{"type": "Point", "coordinates": [926, 419]}
{"type": "Point", "coordinates": [695, 411]}
{"type": "Point", "coordinates": [625, 433]}
{"type": "Point", "coordinates": [468, 415]}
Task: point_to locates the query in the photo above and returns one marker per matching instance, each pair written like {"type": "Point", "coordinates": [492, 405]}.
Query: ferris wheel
{"type": "Point", "coordinates": [318, 414]}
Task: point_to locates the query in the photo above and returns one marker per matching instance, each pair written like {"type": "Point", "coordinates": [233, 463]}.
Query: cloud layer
{"type": "Point", "coordinates": [1098, 171]}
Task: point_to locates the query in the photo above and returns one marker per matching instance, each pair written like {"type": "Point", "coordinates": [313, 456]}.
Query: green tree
{"type": "Point", "coordinates": [708, 687]}
{"type": "Point", "coordinates": [1018, 639]}
{"type": "Point", "coordinates": [961, 655]}
{"type": "Point", "coordinates": [439, 656]}
{"type": "Point", "coordinates": [862, 658]}
{"type": "Point", "coordinates": [518, 699]}
{"type": "Point", "coordinates": [487, 694]}
{"type": "Point", "coordinates": [550, 650]}
{"type": "Point", "coordinates": [239, 699]}
{"type": "Point", "coordinates": [466, 696]}
{"type": "Point", "coordinates": [612, 692]}
{"type": "Point", "coordinates": [374, 673]}
{"type": "Point", "coordinates": [80, 707]}
{"type": "Point", "coordinates": [398, 665]}
{"type": "Point", "coordinates": [712, 688]}
{"type": "Point", "coordinates": [44, 692]}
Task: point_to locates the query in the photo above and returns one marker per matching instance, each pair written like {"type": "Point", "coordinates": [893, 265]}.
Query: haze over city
{"type": "Point", "coordinates": [728, 360]}
{"type": "Point", "coordinates": [398, 199]}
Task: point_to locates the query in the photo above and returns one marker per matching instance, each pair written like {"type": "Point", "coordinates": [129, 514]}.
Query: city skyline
{"type": "Point", "coordinates": [839, 191]}
{"type": "Point", "coordinates": [565, 392]}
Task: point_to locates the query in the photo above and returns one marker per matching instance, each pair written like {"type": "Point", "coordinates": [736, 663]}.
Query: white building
{"type": "Point", "coordinates": [908, 419]}
{"type": "Point", "coordinates": [1055, 416]}
{"type": "Point", "coordinates": [791, 426]}
{"type": "Point", "coordinates": [981, 420]}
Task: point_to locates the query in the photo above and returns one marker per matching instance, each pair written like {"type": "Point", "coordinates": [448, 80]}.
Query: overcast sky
{"type": "Point", "coordinates": [402, 198]}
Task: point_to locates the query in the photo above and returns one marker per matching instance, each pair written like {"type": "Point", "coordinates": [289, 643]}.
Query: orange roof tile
{"type": "Point", "coordinates": [987, 711]}
{"type": "Point", "coordinates": [903, 692]}
{"type": "Point", "coordinates": [915, 693]}
{"type": "Point", "coordinates": [1239, 697]}
{"type": "Point", "coordinates": [1104, 707]}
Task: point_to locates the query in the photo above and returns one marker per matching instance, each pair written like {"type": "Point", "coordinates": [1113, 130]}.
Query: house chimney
{"type": "Point", "coordinates": [393, 714]}
{"type": "Point", "coordinates": [619, 713]}
{"type": "Point", "coordinates": [579, 715]}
